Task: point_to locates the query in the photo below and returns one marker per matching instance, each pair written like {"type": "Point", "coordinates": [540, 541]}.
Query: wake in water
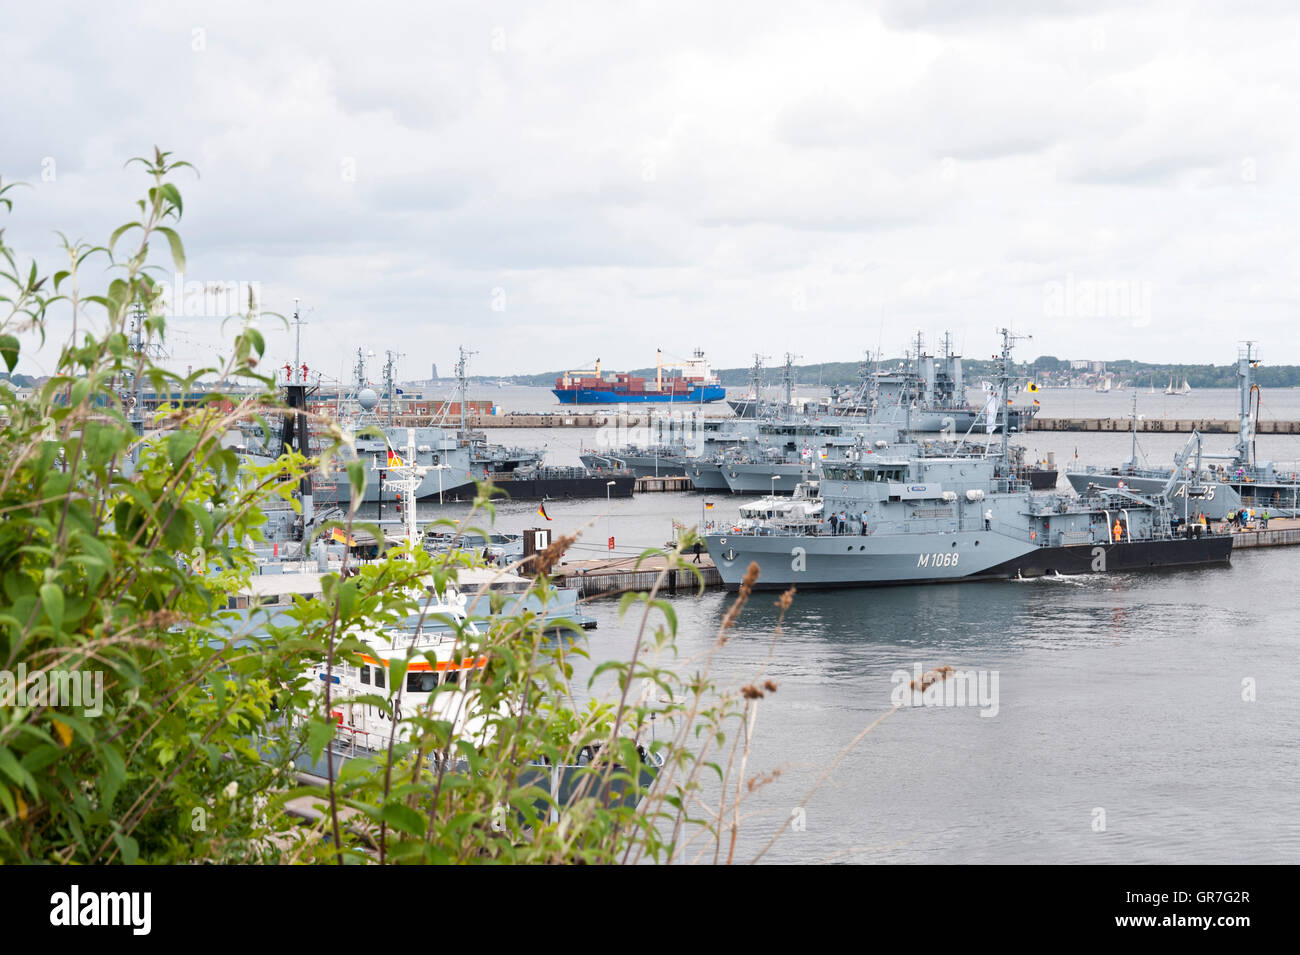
{"type": "Point", "coordinates": [1056, 577]}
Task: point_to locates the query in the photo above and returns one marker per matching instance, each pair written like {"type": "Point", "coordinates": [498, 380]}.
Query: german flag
{"type": "Point", "coordinates": [394, 460]}
{"type": "Point", "coordinates": [339, 537]}
{"type": "Point", "coordinates": [541, 510]}
{"type": "Point", "coordinates": [708, 505]}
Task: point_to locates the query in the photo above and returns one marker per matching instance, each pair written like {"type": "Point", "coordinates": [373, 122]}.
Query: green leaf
{"type": "Point", "coordinates": [347, 599]}
{"type": "Point", "coordinates": [356, 768]}
{"type": "Point", "coordinates": [627, 600]}
{"type": "Point", "coordinates": [179, 445]}
{"type": "Point", "coordinates": [397, 672]}
{"type": "Point", "coordinates": [129, 848]}
{"type": "Point", "coordinates": [11, 768]}
{"type": "Point", "coordinates": [52, 601]}
{"type": "Point", "coordinates": [403, 818]}
{"type": "Point", "coordinates": [173, 195]}
{"type": "Point", "coordinates": [178, 250]}
{"type": "Point", "coordinates": [357, 478]}
{"type": "Point", "coordinates": [9, 350]}
{"type": "Point", "coordinates": [319, 733]}
{"type": "Point", "coordinates": [114, 773]}
{"type": "Point", "coordinates": [120, 231]}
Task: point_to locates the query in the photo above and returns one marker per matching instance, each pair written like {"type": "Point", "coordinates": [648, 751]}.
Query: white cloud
{"type": "Point", "coordinates": [743, 176]}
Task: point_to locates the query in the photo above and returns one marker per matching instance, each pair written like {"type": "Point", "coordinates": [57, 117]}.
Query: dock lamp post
{"type": "Point", "coordinates": [608, 532]}
{"type": "Point", "coordinates": [775, 478]}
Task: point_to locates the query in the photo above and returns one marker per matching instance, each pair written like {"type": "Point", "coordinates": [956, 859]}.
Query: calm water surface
{"type": "Point", "coordinates": [1116, 693]}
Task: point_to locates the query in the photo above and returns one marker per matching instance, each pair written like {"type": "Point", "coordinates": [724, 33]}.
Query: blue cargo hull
{"type": "Point", "coordinates": [587, 396]}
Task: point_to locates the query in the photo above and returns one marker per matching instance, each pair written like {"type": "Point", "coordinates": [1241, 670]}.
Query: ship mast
{"type": "Point", "coordinates": [1005, 376]}
{"type": "Point", "coordinates": [298, 323]}
{"type": "Point", "coordinates": [1134, 455]}
{"type": "Point", "coordinates": [294, 433]}
{"type": "Point", "coordinates": [1246, 360]}
{"type": "Point", "coordinates": [787, 379]}
{"type": "Point", "coordinates": [405, 478]}
{"type": "Point", "coordinates": [462, 384]}
{"type": "Point", "coordinates": [390, 381]}
{"type": "Point", "coordinates": [756, 378]}
{"type": "Point", "coordinates": [359, 370]}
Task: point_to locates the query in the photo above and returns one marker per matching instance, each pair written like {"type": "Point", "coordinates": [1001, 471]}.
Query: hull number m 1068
{"type": "Point", "coordinates": [942, 559]}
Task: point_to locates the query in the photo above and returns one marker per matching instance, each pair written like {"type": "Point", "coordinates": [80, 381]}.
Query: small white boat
{"type": "Point", "coordinates": [436, 683]}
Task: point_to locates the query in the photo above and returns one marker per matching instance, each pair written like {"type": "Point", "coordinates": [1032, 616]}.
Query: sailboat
{"type": "Point", "coordinates": [1152, 389]}
{"type": "Point", "coordinates": [1171, 390]}
{"type": "Point", "coordinates": [1186, 389]}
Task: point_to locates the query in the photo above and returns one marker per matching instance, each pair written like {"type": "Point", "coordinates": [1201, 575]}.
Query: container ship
{"type": "Point", "coordinates": [685, 382]}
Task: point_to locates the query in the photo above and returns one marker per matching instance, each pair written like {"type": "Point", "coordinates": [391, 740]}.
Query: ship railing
{"type": "Point", "coordinates": [1017, 532]}
{"type": "Point", "coordinates": [350, 741]}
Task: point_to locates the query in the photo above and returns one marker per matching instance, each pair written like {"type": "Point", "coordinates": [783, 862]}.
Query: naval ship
{"type": "Point", "coordinates": [451, 459]}
{"type": "Point", "coordinates": [931, 388]}
{"type": "Point", "coordinates": [911, 519]}
{"type": "Point", "coordinates": [775, 447]}
{"type": "Point", "coordinates": [1220, 483]}
{"type": "Point", "coordinates": [742, 454]}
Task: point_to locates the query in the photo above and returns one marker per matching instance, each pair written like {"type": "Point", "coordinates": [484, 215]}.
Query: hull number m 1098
{"type": "Point", "coordinates": [946, 558]}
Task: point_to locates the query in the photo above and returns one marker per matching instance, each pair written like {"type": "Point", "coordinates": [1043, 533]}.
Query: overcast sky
{"type": "Point", "coordinates": [548, 183]}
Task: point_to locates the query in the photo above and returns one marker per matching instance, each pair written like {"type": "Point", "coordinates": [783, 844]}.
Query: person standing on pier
{"type": "Point", "coordinates": [696, 549]}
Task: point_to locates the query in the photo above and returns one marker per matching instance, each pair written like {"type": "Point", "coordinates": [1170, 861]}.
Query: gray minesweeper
{"type": "Point", "coordinates": [914, 518]}
{"type": "Point", "coordinates": [454, 458]}
{"type": "Point", "coordinates": [1218, 484]}
{"type": "Point", "coordinates": [931, 388]}
{"type": "Point", "coordinates": [774, 445]}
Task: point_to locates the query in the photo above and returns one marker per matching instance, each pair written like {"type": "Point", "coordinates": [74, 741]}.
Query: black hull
{"type": "Point", "coordinates": [560, 489]}
{"type": "Point", "coordinates": [1128, 556]}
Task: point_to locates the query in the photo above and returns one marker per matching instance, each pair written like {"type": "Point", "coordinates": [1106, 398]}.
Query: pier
{"type": "Point", "coordinates": [613, 575]}
{"type": "Point", "coordinates": [1160, 425]}
{"type": "Point", "coordinates": [600, 419]}
{"type": "Point", "coordinates": [650, 484]}
{"type": "Point", "coordinates": [1282, 532]}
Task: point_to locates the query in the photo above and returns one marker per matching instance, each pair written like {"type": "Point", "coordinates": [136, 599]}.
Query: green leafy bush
{"type": "Point", "coordinates": [122, 542]}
